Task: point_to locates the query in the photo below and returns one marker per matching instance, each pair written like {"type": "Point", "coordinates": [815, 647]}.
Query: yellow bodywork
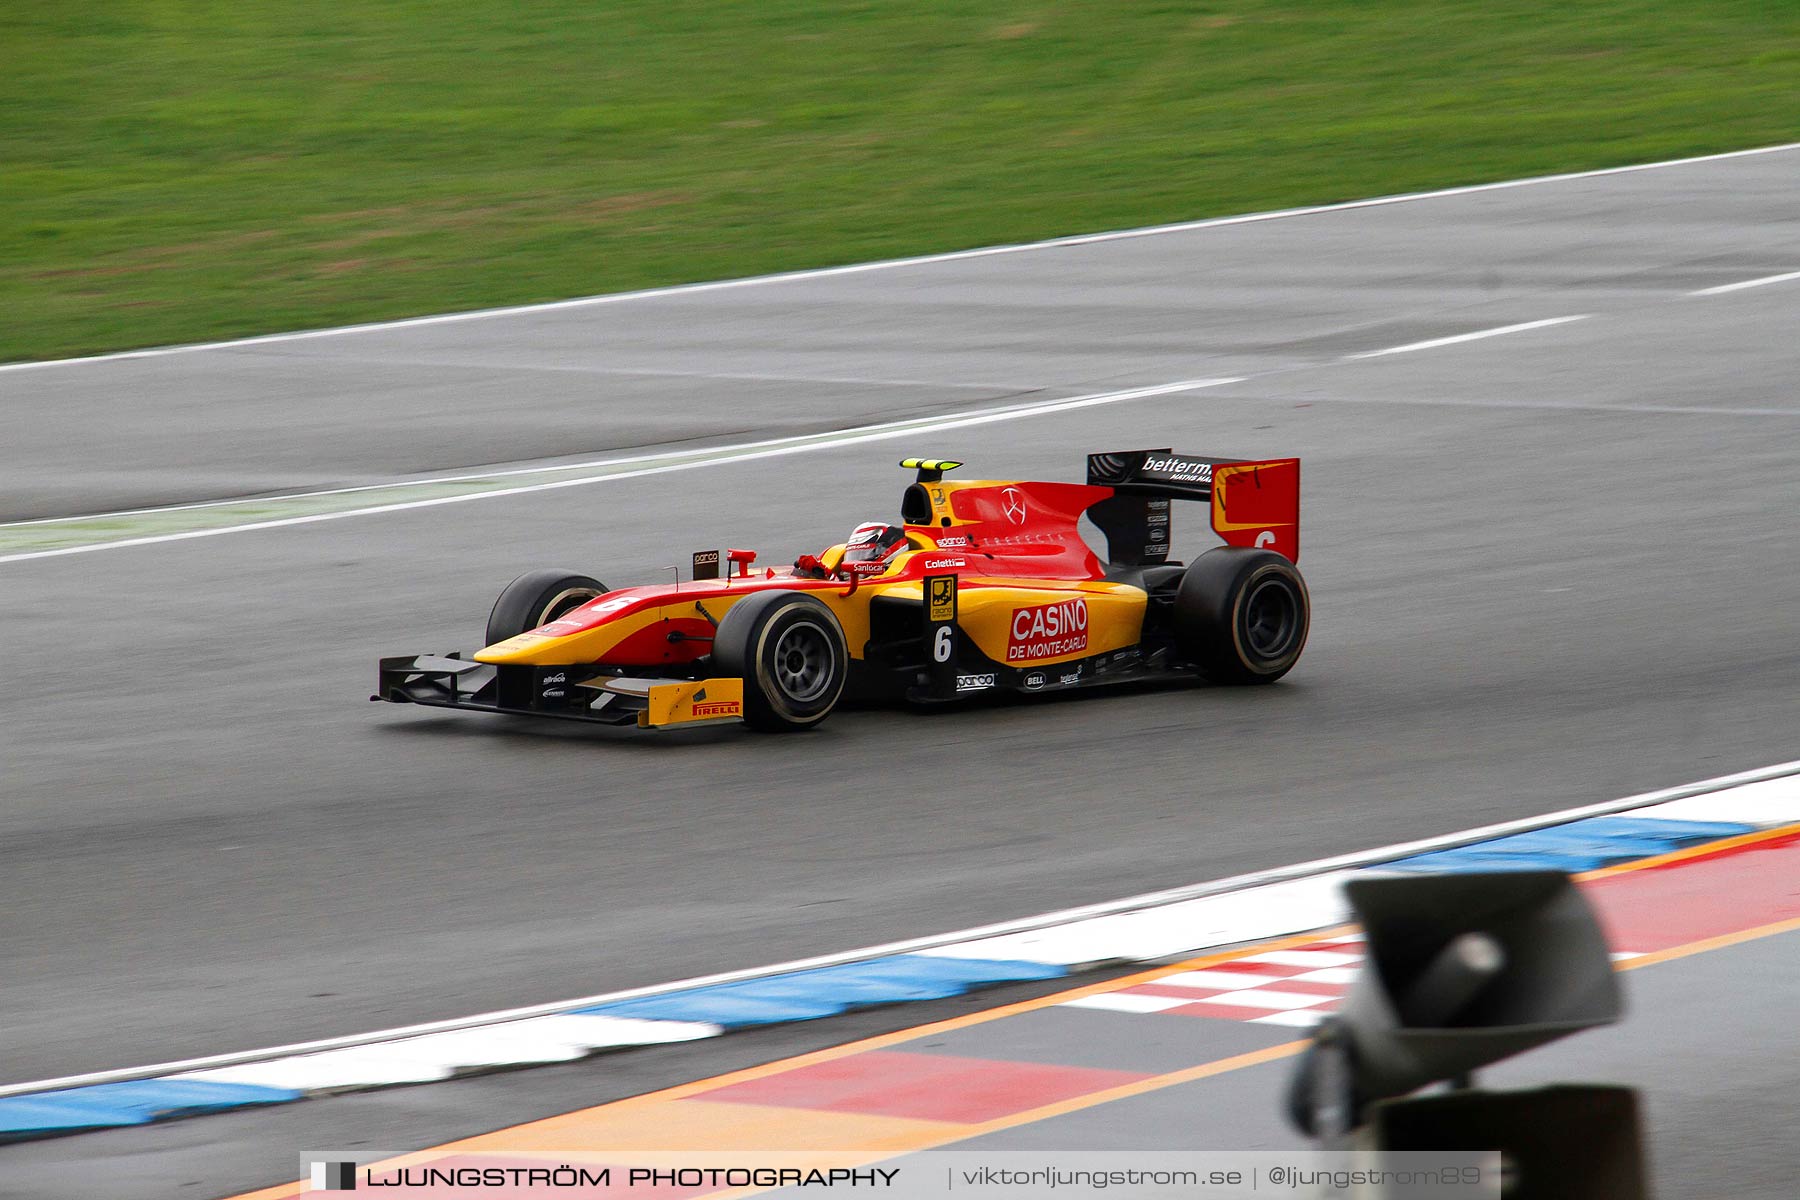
{"type": "Point", "coordinates": [990, 615]}
{"type": "Point", "coordinates": [993, 611]}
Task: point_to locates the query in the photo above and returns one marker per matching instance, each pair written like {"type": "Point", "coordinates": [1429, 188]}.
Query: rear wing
{"type": "Point", "coordinates": [1254, 502]}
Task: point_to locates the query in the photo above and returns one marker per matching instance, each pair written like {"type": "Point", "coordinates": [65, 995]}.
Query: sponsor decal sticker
{"type": "Point", "coordinates": [1071, 677]}
{"type": "Point", "coordinates": [935, 564]}
{"type": "Point", "coordinates": [1012, 503]}
{"type": "Point", "coordinates": [953, 541]}
{"type": "Point", "coordinates": [1048, 630]}
{"type": "Point", "coordinates": [1180, 470]}
{"type": "Point", "coordinates": [1034, 681]}
{"type": "Point", "coordinates": [943, 600]}
{"type": "Point", "coordinates": [718, 708]}
{"type": "Point", "coordinates": [974, 683]}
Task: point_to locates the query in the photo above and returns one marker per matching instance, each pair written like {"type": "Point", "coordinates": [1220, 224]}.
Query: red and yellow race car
{"type": "Point", "coordinates": [981, 586]}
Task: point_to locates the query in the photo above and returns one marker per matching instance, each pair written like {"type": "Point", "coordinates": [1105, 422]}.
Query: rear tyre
{"type": "Point", "coordinates": [538, 598]}
{"type": "Point", "coordinates": [1242, 616]}
{"type": "Point", "coordinates": [790, 652]}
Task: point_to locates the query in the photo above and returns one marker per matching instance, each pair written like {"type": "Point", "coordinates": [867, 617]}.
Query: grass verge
{"type": "Point", "coordinates": [187, 171]}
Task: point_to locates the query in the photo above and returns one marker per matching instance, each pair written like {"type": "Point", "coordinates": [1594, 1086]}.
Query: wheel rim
{"type": "Point", "coordinates": [564, 602]}
{"type": "Point", "coordinates": [803, 662]}
{"type": "Point", "coordinates": [1271, 619]}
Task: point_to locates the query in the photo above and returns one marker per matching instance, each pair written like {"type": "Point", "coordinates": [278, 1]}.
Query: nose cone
{"type": "Point", "coordinates": [527, 649]}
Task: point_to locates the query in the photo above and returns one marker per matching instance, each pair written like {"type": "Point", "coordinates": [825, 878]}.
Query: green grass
{"type": "Point", "coordinates": [183, 171]}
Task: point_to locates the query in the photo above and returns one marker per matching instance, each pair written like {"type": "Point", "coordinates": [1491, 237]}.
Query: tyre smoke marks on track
{"type": "Point", "coordinates": [230, 516]}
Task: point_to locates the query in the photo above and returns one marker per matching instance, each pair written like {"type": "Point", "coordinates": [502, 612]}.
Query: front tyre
{"type": "Point", "coordinates": [1241, 615]}
{"type": "Point", "coordinates": [538, 598]}
{"type": "Point", "coordinates": [790, 652]}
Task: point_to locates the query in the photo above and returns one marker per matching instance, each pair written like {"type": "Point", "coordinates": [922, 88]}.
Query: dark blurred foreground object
{"type": "Point", "coordinates": [1567, 1142]}
{"type": "Point", "coordinates": [1461, 971]}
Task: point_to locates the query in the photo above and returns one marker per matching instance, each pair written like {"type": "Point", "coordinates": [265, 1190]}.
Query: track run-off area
{"type": "Point", "coordinates": [1552, 466]}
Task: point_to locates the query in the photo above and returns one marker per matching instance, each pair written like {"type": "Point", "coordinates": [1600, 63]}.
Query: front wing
{"type": "Point", "coordinates": [566, 693]}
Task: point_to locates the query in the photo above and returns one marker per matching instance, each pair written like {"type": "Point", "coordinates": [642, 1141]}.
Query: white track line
{"type": "Point", "coordinates": [911, 424]}
{"type": "Point", "coordinates": [1747, 283]}
{"type": "Point", "coordinates": [892, 263]}
{"type": "Point", "coordinates": [1130, 904]}
{"type": "Point", "coordinates": [744, 452]}
{"type": "Point", "coordinates": [1476, 336]}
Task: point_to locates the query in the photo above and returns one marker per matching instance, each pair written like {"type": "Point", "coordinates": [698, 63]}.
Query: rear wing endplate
{"type": "Point", "coordinates": [1254, 502]}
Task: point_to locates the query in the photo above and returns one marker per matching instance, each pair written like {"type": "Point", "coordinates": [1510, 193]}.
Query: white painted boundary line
{"type": "Point", "coordinates": [742, 452]}
{"type": "Point", "coordinates": [1747, 283]}
{"type": "Point", "coordinates": [1476, 336]}
{"type": "Point", "coordinates": [892, 263]}
{"type": "Point", "coordinates": [1306, 884]}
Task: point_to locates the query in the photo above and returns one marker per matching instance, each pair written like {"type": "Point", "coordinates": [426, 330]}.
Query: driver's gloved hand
{"type": "Point", "coordinates": [808, 565]}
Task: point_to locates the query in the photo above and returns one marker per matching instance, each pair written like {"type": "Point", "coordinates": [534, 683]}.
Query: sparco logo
{"type": "Point", "coordinates": [973, 683]}
{"type": "Point", "coordinates": [1180, 470]}
{"type": "Point", "coordinates": [954, 541]}
{"type": "Point", "coordinates": [1048, 630]}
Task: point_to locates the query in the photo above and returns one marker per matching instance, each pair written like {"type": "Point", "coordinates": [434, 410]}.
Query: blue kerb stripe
{"type": "Point", "coordinates": [137, 1102]}
{"type": "Point", "coordinates": [826, 991]}
{"type": "Point", "coordinates": [1577, 846]}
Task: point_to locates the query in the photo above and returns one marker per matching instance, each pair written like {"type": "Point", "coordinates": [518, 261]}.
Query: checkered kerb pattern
{"type": "Point", "coordinates": [1280, 987]}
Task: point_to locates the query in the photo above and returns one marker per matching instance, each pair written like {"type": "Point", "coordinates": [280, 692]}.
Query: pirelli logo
{"type": "Point", "coordinates": [940, 598]}
{"type": "Point", "coordinates": [718, 708]}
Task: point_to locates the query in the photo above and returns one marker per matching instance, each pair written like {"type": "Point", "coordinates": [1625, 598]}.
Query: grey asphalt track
{"type": "Point", "coordinates": [1550, 568]}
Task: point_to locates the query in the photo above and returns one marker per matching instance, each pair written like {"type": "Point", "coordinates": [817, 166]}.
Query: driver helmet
{"type": "Point", "coordinates": [874, 542]}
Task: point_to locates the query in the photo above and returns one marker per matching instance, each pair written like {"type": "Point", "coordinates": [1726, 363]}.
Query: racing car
{"type": "Point", "coordinates": [982, 586]}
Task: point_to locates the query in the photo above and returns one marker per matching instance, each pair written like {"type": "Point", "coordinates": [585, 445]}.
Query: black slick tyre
{"type": "Point", "coordinates": [538, 598]}
{"type": "Point", "coordinates": [1241, 615]}
{"type": "Point", "coordinates": [790, 652]}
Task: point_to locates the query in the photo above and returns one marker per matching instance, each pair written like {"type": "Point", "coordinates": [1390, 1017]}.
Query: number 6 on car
{"type": "Point", "coordinates": [982, 585]}
{"type": "Point", "coordinates": [940, 631]}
